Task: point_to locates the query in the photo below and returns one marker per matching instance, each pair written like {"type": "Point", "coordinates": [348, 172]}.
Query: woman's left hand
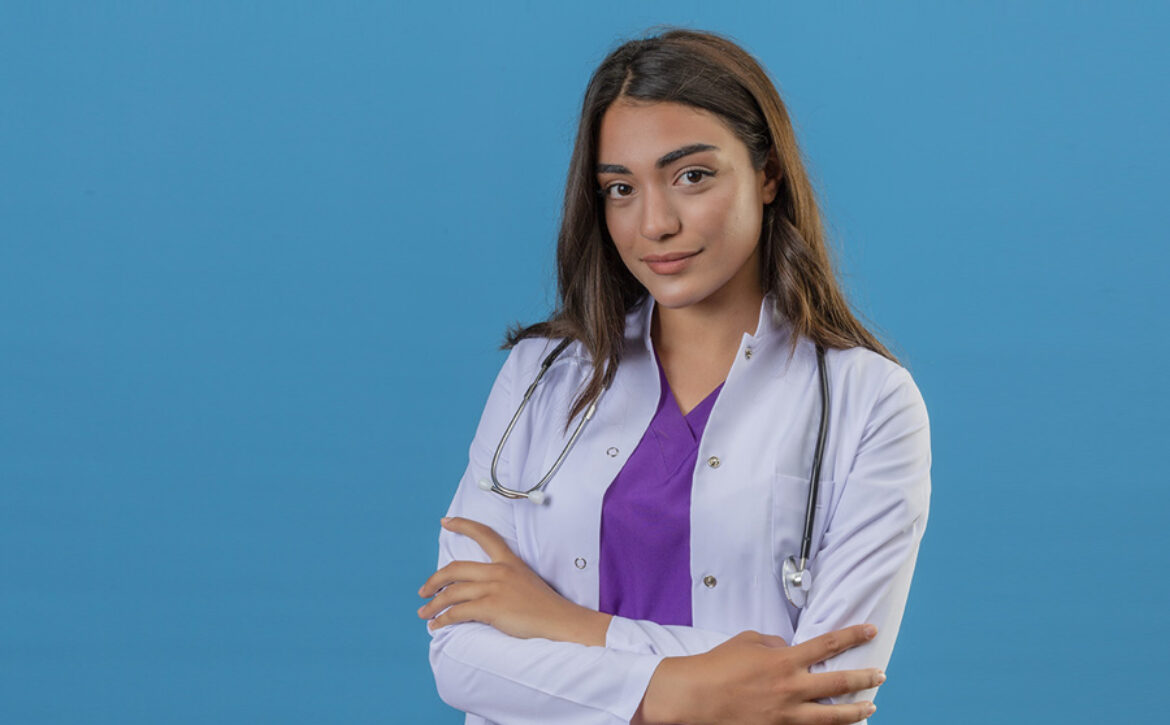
{"type": "Point", "coordinates": [505, 594]}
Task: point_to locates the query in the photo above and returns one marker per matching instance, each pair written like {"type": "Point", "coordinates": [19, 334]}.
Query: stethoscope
{"type": "Point", "coordinates": [796, 578]}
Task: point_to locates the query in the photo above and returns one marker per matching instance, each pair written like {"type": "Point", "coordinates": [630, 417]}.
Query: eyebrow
{"type": "Point", "coordinates": [662, 162]}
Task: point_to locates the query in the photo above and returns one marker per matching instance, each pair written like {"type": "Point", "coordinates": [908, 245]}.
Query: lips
{"type": "Point", "coordinates": [667, 257]}
{"type": "Point", "coordinates": [670, 263]}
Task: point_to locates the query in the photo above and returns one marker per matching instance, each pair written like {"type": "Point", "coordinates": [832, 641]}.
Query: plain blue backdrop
{"type": "Point", "coordinates": [256, 260]}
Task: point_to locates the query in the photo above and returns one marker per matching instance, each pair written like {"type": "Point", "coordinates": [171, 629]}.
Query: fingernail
{"type": "Point", "coordinates": [881, 677]}
{"type": "Point", "coordinates": [872, 709]}
{"type": "Point", "coordinates": [444, 520]}
{"type": "Point", "coordinates": [870, 630]}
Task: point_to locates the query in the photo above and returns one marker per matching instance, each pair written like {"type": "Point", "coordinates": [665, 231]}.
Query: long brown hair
{"type": "Point", "coordinates": [596, 290]}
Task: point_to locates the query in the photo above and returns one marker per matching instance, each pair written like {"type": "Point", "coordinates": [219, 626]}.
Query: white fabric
{"type": "Point", "coordinates": [746, 517]}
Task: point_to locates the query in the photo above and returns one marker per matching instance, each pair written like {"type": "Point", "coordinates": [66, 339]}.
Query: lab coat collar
{"type": "Point", "coordinates": [771, 326]}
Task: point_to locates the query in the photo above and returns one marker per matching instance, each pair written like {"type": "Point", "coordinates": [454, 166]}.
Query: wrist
{"type": "Point", "coordinates": [669, 695]}
{"type": "Point", "coordinates": [583, 626]}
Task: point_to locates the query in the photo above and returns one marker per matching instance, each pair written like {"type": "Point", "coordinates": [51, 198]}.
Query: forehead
{"type": "Point", "coordinates": [635, 134]}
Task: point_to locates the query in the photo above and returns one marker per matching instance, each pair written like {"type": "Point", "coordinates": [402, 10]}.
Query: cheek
{"type": "Point", "coordinates": [715, 215]}
{"type": "Point", "coordinates": [622, 231]}
{"type": "Point", "coordinates": [742, 218]}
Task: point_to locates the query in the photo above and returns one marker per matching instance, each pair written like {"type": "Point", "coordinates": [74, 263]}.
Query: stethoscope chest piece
{"type": "Point", "coordinates": [797, 582]}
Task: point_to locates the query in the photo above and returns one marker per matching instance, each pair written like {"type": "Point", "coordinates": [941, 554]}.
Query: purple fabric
{"type": "Point", "coordinates": [645, 569]}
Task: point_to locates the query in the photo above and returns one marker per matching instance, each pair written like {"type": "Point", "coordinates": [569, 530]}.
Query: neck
{"type": "Point", "coordinates": [714, 326]}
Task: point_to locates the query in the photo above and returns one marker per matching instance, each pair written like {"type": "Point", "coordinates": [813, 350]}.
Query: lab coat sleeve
{"type": "Point", "coordinates": [668, 640]}
{"type": "Point", "coordinates": [505, 679]}
{"type": "Point", "coordinates": [863, 569]}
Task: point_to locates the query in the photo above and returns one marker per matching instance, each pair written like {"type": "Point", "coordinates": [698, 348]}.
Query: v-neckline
{"type": "Point", "coordinates": [696, 416]}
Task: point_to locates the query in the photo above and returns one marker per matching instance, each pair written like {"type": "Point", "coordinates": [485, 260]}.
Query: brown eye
{"type": "Point", "coordinates": [611, 187]}
{"type": "Point", "coordinates": [696, 175]}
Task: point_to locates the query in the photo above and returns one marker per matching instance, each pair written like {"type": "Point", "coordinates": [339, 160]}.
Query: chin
{"type": "Point", "coordinates": [675, 299]}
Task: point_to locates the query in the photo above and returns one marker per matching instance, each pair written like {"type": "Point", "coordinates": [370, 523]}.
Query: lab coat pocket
{"type": "Point", "coordinates": [789, 503]}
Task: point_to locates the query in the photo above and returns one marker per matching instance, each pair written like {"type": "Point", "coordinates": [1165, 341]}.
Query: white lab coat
{"type": "Point", "coordinates": [746, 517]}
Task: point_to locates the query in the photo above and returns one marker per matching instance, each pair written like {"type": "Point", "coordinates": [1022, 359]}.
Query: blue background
{"type": "Point", "coordinates": [255, 263]}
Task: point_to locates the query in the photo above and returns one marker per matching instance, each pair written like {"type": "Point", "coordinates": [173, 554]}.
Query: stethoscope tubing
{"type": "Point", "coordinates": [495, 482]}
{"type": "Point", "coordinates": [814, 482]}
{"type": "Point", "coordinates": [797, 580]}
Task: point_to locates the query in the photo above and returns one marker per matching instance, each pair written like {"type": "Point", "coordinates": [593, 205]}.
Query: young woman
{"type": "Point", "coordinates": [659, 574]}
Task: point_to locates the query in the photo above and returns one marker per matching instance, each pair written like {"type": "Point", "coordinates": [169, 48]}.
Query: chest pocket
{"type": "Point", "coordinates": [789, 500]}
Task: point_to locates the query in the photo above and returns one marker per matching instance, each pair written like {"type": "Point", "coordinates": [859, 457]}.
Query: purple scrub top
{"type": "Point", "coordinates": [645, 569]}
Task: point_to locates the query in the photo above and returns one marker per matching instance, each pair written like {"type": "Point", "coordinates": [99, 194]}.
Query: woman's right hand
{"type": "Point", "coordinates": [757, 679]}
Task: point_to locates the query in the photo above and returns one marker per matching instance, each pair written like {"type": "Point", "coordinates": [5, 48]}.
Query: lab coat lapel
{"type": "Point", "coordinates": [566, 530]}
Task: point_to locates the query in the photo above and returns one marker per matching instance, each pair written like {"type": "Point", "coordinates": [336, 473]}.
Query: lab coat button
{"type": "Point", "coordinates": [709, 581]}
{"type": "Point", "coordinates": [611, 452]}
{"type": "Point", "coordinates": [580, 562]}
{"type": "Point", "coordinates": [713, 461]}
{"type": "Point", "coordinates": [747, 354]}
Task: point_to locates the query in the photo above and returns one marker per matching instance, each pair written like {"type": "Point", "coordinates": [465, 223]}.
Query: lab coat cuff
{"type": "Point", "coordinates": [624, 634]}
{"type": "Point", "coordinates": [633, 687]}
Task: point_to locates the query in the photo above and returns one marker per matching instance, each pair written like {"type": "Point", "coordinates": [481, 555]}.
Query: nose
{"type": "Point", "coordinates": [659, 219]}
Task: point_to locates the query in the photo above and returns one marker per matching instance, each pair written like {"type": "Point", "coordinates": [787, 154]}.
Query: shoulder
{"type": "Point", "coordinates": [519, 370]}
{"type": "Point", "coordinates": [862, 366]}
{"type": "Point", "coordinates": [528, 354]}
{"type": "Point", "coordinates": [882, 397]}
{"type": "Point", "coordinates": [869, 379]}
{"type": "Point", "coordinates": [531, 352]}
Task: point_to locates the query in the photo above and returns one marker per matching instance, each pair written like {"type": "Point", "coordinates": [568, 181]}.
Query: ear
{"type": "Point", "coordinates": [770, 177]}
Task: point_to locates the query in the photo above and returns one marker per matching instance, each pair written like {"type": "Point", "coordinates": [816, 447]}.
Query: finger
{"type": "Point", "coordinates": [819, 649]}
{"type": "Point", "coordinates": [457, 593]}
{"type": "Point", "coordinates": [831, 684]}
{"type": "Point", "coordinates": [817, 714]}
{"type": "Point", "coordinates": [492, 543]}
{"type": "Point", "coordinates": [454, 615]}
{"type": "Point", "coordinates": [453, 572]}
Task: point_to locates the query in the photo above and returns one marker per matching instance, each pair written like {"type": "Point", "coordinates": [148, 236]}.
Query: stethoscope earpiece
{"type": "Point", "coordinates": [536, 496]}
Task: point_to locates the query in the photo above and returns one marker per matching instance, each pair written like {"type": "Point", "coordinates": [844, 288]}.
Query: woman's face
{"type": "Point", "coordinates": [678, 185]}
